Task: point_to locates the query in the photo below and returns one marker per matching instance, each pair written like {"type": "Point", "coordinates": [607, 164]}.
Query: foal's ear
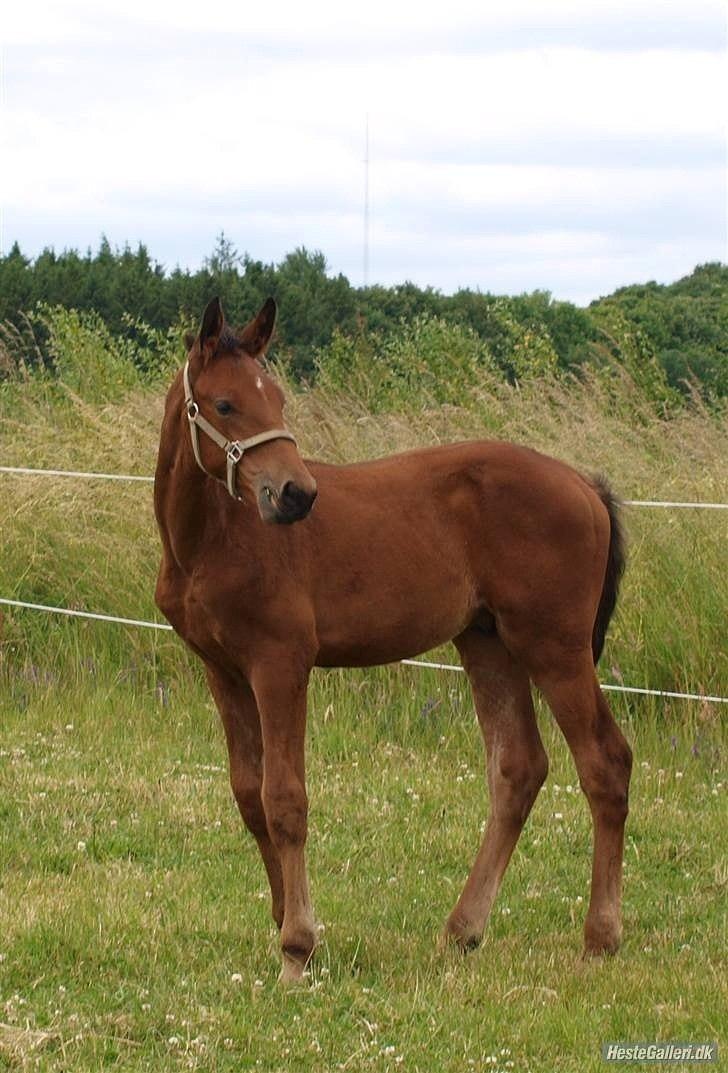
{"type": "Point", "coordinates": [255, 336]}
{"type": "Point", "coordinates": [213, 321]}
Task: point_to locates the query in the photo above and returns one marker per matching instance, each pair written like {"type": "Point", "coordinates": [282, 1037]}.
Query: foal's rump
{"type": "Point", "coordinates": [552, 552]}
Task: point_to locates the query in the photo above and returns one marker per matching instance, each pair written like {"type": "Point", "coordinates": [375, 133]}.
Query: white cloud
{"type": "Point", "coordinates": [331, 21]}
{"type": "Point", "coordinates": [165, 123]}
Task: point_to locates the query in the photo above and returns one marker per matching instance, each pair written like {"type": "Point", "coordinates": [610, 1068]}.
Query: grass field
{"type": "Point", "coordinates": [136, 932]}
{"type": "Point", "coordinates": [134, 923]}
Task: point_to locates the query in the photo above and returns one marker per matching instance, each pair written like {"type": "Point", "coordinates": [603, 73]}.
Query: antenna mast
{"type": "Point", "coordinates": [366, 202]}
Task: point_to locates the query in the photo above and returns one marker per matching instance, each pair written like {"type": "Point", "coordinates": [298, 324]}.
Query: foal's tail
{"type": "Point", "coordinates": [615, 566]}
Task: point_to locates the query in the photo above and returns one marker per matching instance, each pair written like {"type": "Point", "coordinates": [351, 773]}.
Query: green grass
{"type": "Point", "coordinates": [135, 925]}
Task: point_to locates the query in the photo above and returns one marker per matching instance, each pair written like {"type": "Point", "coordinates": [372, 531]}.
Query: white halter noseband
{"type": "Point", "coordinates": [234, 449]}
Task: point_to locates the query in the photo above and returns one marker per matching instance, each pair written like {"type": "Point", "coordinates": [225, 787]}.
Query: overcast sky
{"type": "Point", "coordinates": [569, 145]}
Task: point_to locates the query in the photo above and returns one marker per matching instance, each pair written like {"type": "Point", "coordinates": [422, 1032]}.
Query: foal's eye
{"type": "Point", "coordinates": [223, 407]}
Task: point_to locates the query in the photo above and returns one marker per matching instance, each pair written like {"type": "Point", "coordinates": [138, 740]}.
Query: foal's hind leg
{"type": "Point", "coordinates": [240, 718]}
{"type": "Point", "coordinates": [604, 762]}
{"type": "Point", "coordinates": [516, 765]}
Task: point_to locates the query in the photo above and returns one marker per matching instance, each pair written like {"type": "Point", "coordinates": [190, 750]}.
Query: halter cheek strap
{"type": "Point", "coordinates": [234, 449]}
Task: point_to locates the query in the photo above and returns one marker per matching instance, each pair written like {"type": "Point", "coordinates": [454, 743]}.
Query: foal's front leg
{"type": "Point", "coordinates": [239, 713]}
{"type": "Point", "coordinates": [280, 690]}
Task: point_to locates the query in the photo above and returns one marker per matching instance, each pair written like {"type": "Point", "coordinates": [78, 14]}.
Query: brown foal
{"type": "Point", "coordinates": [514, 556]}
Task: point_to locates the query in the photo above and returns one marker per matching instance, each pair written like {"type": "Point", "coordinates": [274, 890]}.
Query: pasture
{"type": "Point", "coordinates": [133, 907]}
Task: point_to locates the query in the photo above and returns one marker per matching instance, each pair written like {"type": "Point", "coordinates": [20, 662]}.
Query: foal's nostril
{"type": "Point", "coordinates": [295, 502]}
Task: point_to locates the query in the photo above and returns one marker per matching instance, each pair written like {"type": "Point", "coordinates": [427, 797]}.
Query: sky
{"type": "Point", "coordinates": [558, 145]}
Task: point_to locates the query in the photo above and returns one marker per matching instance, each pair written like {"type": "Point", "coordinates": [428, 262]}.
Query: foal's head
{"type": "Point", "coordinates": [234, 393]}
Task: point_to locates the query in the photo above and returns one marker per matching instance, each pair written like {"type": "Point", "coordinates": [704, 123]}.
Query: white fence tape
{"type": "Point", "coordinates": [669, 503]}
{"type": "Point", "coordinates": [86, 614]}
{"type": "Point", "coordinates": [407, 662]}
{"type": "Point", "coordinates": [28, 472]}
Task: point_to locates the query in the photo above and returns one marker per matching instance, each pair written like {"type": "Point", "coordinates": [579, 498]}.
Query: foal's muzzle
{"type": "Point", "coordinates": [291, 504]}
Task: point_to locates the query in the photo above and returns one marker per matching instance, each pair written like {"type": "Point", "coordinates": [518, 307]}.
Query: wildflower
{"type": "Point", "coordinates": [236, 978]}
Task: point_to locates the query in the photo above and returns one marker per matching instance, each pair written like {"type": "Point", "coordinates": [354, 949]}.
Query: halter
{"type": "Point", "coordinates": [234, 449]}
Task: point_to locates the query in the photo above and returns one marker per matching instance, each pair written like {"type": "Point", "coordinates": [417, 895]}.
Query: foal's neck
{"type": "Point", "coordinates": [185, 498]}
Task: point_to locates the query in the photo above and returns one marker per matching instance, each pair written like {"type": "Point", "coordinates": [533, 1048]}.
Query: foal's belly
{"type": "Point", "coordinates": [392, 619]}
{"type": "Point", "coordinates": [371, 651]}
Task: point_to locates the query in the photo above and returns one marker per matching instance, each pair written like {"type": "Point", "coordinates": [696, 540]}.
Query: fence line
{"type": "Point", "coordinates": [86, 614]}
{"type": "Point", "coordinates": [408, 662]}
{"type": "Point", "coordinates": [27, 471]}
{"type": "Point", "coordinates": [74, 473]}
{"type": "Point", "coordinates": [669, 503]}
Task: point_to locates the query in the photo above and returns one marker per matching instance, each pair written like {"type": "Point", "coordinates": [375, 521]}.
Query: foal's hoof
{"type": "Point", "coordinates": [459, 937]}
{"type": "Point", "coordinates": [293, 972]}
{"type": "Point", "coordinates": [602, 935]}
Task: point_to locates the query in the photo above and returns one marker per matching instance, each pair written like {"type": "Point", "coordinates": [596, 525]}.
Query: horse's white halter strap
{"type": "Point", "coordinates": [234, 449]}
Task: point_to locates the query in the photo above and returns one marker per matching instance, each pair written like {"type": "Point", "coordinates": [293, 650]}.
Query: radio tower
{"type": "Point", "coordinates": [366, 202]}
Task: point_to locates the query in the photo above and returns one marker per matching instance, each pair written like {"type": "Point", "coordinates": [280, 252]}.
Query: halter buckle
{"type": "Point", "coordinates": [192, 409]}
{"type": "Point", "coordinates": [234, 452]}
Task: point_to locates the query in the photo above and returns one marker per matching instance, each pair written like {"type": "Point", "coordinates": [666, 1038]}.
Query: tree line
{"type": "Point", "coordinates": [682, 327]}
